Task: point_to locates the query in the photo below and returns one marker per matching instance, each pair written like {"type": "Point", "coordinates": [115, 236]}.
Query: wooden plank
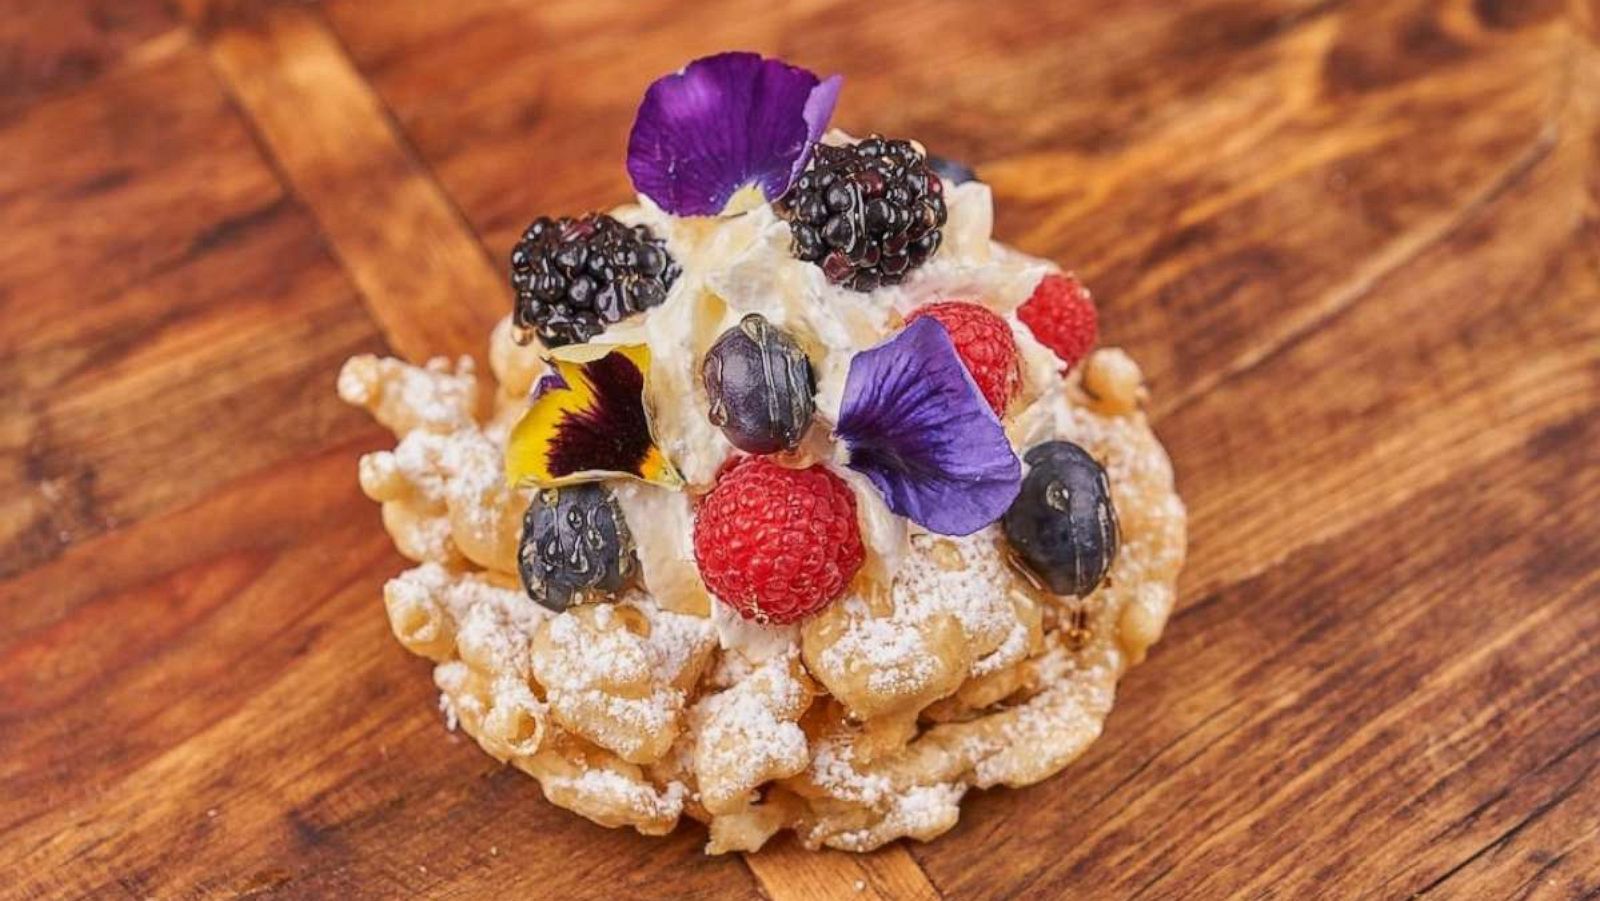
{"type": "Point", "coordinates": [254, 728]}
{"type": "Point", "coordinates": [1400, 383]}
{"type": "Point", "coordinates": [1344, 182]}
{"type": "Point", "coordinates": [169, 319]}
{"type": "Point", "coordinates": [1551, 847]}
{"type": "Point", "coordinates": [81, 601]}
{"type": "Point", "coordinates": [1466, 374]}
{"type": "Point", "coordinates": [260, 54]}
{"type": "Point", "coordinates": [422, 274]}
{"type": "Point", "coordinates": [56, 45]}
{"type": "Point", "coordinates": [788, 872]}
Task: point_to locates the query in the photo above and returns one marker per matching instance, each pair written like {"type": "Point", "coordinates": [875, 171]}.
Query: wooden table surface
{"type": "Point", "coordinates": [1356, 246]}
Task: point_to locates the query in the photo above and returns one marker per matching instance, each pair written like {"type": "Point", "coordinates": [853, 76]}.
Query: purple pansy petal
{"type": "Point", "coordinates": [723, 124]}
{"type": "Point", "coordinates": [550, 381]}
{"type": "Point", "coordinates": [918, 427]}
{"type": "Point", "coordinates": [819, 109]}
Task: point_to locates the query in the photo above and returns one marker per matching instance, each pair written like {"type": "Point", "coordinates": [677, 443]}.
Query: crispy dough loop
{"type": "Point", "coordinates": [749, 734]}
{"type": "Point", "coordinates": [891, 704]}
{"type": "Point", "coordinates": [606, 680]}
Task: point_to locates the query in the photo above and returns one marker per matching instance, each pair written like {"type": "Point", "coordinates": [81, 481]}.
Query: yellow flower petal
{"type": "Point", "coordinates": [588, 421]}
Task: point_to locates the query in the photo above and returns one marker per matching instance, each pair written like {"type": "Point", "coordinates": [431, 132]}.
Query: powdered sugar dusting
{"type": "Point", "coordinates": [677, 642]}
{"type": "Point", "coordinates": [833, 767]}
{"type": "Point", "coordinates": [748, 718]}
{"type": "Point", "coordinates": [968, 582]}
{"type": "Point", "coordinates": [750, 734]}
{"type": "Point", "coordinates": [612, 789]}
{"type": "Point", "coordinates": [436, 397]}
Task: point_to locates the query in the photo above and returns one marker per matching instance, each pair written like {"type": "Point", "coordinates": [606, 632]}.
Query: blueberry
{"type": "Point", "coordinates": [575, 546]}
{"type": "Point", "coordinates": [760, 385]}
{"type": "Point", "coordinates": [1063, 524]}
{"type": "Point", "coordinates": [952, 171]}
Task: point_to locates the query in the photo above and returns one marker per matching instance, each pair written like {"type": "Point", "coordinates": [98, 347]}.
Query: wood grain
{"type": "Point", "coordinates": [163, 258]}
{"type": "Point", "coordinates": [425, 278]}
{"type": "Point", "coordinates": [52, 46]}
{"type": "Point", "coordinates": [1355, 243]}
{"type": "Point", "coordinates": [786, 871]}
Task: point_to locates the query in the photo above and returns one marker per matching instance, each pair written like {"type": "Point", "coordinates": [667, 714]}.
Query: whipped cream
{"type": "Point", "coordinates": [754, 641]}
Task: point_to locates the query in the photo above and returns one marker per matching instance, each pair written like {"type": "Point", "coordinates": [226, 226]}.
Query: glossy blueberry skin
{"type": "Point", "coordinates": [1063, 524]}
{"type": "Point", "coordinates": [760, 385]}
{"type": "Point", "coordinates": [952, 171]}
{"type": "Point", "coordinates": [575, 546]}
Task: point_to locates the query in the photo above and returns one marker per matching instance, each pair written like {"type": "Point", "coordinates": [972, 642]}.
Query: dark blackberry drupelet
{"type": "Point", "coordinates": [575, 277]}
{"type": "Point", "coordinates": [867, 213]}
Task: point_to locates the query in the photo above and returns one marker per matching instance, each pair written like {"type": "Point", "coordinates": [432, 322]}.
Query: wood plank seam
{"type": "Point", "coordinates": [426, 280]}
{"type": "Point", "coordinates": [414, 154]}
{"type": "Point", "coordinates": [892, 872]}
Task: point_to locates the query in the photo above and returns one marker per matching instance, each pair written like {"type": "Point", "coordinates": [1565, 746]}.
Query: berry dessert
{"type": "Point", "coordinates": [800, 504]}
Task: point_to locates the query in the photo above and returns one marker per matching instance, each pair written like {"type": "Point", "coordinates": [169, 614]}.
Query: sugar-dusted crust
{"type": "Point", "coordinates": [943, 672]}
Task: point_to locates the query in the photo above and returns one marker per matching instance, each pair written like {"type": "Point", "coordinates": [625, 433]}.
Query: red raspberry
{"type": "Point", "coordinates": [1061, 314]}
{"type": "Point", "coordinates": [984, 342]}
{"type": "Point", "coordinates": [777, 544]}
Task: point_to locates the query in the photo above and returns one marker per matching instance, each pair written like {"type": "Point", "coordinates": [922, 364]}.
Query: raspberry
{"type": "Point", "coordinates": [984, 342]}
{"type": "Point", "coordinates": [777, 544]}
{"type": "Point", "coordinates": [1061, 314]}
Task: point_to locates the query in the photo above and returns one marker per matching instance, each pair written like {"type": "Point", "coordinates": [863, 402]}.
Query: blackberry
{"type": "Point", "coordinates": [575, 277]}
{"type": "Point", "coordinates": [867, 213]}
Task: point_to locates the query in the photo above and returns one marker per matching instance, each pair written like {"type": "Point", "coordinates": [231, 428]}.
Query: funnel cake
{"type": "Point", "coordinates": [801, 503]}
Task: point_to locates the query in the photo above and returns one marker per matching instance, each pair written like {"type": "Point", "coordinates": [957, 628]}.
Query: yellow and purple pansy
{"type": "Point", "coordinates": [588, 421]}
{"type": "Point", "coordinates": [727, 133]}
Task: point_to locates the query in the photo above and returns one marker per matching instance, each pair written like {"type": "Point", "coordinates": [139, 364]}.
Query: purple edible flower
{"type": "Point", "coordinates": [550, 381]}
{"type": "Point", "coordinates": [727, 133]}
{"type": "Point", "coordinates": [918, 427]}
